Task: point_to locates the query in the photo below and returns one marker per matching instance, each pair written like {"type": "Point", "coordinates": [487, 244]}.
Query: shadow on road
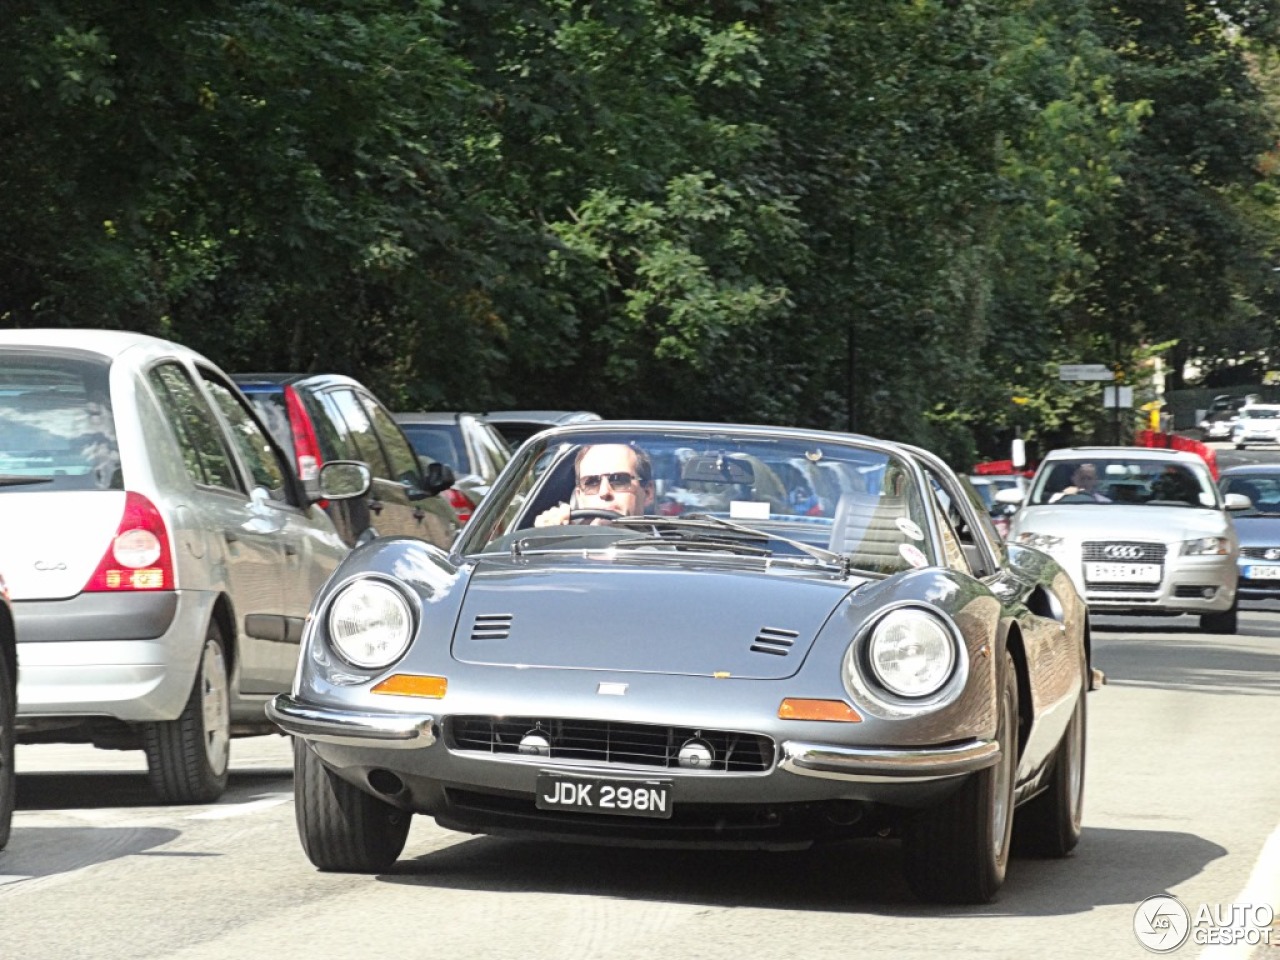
{"type": "Point", "coordinates": [102, 789]}
{"type": "Point", "coordinates": [45, 851]}
{"type": "Point", "coordinates": [1109, 867]}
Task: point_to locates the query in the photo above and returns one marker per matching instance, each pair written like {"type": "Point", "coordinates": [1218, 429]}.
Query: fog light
{"type": "Point", "coordinates": [696, 755]}
{"type": "Point", "coordinates": [1209, 592]}
{"type": "Point", "coordinates": [536, 743]}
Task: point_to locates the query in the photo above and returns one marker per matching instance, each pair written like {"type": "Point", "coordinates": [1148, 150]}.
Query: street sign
{"type": "Point", "coordinates": [1121, 397]}
{"type": "Point", "coordinates": [1085, 371]}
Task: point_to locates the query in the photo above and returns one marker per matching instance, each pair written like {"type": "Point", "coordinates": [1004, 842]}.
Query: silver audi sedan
{"type": "Point", "coordinates": [1142, 531]}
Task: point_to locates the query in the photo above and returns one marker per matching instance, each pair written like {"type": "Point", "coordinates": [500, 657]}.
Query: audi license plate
{"type": "Point", "coordinates": [1122, 572]}
{"type": "Point", "coordinates": [627, 798]}
{"type": "Point", "coordinates": [1262, 572]}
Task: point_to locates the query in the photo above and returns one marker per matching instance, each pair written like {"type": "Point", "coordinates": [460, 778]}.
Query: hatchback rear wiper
{"type": "Point", "coordinates": [14, 480]}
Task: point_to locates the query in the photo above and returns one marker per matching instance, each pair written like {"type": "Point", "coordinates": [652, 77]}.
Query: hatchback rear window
{"type": "Point", "coordinates": [57, 427]}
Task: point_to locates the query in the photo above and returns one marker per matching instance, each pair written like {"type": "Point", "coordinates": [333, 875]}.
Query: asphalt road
{"type": "Point", "coordinates": [1181, 797]}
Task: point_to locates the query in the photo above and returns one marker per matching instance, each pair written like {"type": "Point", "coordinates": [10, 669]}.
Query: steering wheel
{"type": "Point", "coordinates": [584, 515]}
{"type": "Point", "coordinates": [1075, 498]}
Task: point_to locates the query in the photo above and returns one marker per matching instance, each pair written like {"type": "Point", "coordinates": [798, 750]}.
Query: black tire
{"type": "Point", "coordinates": [1226, 622]}
{"type": "Point", "coordinates": [1050, 824]}
{"type": "Point", "coordinates": [342, 828]}
{"type": "Point", "coordinates": [958, 851]}
{"type": "Point", "coordinates": [8, 775]}
{"type": "Point", "coordinates": [188, 758]}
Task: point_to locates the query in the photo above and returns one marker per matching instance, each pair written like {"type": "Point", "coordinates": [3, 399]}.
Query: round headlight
{"type": "Point", "coordinates": [370, 623]}
{"type": "Point", "coordinates": [911, 653]}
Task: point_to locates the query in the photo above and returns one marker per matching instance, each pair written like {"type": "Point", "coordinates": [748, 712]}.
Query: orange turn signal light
{"type": "Point", "coordinates": [836, 710]}
{"type": "Point", "coordinates": [413, 685]}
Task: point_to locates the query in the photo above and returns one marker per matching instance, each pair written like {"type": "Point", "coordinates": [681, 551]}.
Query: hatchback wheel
{"type": "Point", "coordinates": [8, 779]}
{"type": "Point", "coordinates": [958, 851]}
{"type": "Point", "coordinates": [188, 758]}
{"type": "Point", "coordinates": [343, 829]}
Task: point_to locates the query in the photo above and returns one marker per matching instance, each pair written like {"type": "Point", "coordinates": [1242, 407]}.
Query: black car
{"type": "Point", "coordinates": [323, 416]}
{"type": "Point", "coordinates": [8, 713]}
{"type": "Point", "coordinates": [517, 426]}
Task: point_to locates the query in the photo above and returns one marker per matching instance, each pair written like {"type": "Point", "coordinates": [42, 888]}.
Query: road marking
{"type": "Point", "coordinates": [1263, 886]}
{"type": "Point", "coordinates": [228, 810]}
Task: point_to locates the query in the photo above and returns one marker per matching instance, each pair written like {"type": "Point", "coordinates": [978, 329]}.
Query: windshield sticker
{"type": "Point", "coordinates": [910, 528]}
{"type": "Point", "coordinates": [749, 509]}
{"type": "Point", "coordinates": [913, 555]}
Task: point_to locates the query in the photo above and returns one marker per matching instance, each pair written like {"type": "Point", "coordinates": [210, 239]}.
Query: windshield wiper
{"type": "Point", "coordinates": [703, 521]}
{"type": "Point", "coordinates": [683, 540]}
{"type": "Point", "coordinates": [13, 480]}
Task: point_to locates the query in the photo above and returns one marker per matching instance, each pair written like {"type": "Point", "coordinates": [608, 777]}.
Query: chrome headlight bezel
{"type": "Point", "coordinates": [370, 623]}
{"type": "Point", "coordinates": [1206, 547]}
{"type": "Point", "coordinates": [866, 681]}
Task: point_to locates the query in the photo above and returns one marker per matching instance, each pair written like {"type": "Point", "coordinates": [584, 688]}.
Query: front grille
{"type": "Point", "coordinates": [1122, 588]}
{"type": "Point", "coordinates": [1140, 552]}
{"type": "Point", "coordinates": [1260, 553]}
{"type": "Point", "coordinates": [607, 742]}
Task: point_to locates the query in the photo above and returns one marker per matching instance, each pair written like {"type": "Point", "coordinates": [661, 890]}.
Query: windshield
{"type": "Point", "coordinates": [1262, 489]}
{"type": "Point", "coordinates": [1126, 481]}
{"type": "Point", "coordinates": [763, 494]}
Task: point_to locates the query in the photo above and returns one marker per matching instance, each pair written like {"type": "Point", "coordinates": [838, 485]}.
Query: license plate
{"type": "Point", "coordinates": [1122, 572]}
{"type": "Point", "coordinates": [625, 798]}
{"type": "Point", "coordinates": [1262, 572]}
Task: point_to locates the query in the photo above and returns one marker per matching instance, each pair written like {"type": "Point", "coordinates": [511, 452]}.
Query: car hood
{"type": "Point", "coordinates": [1256, 531]}
{"type": "Point", "coordinates": [53, 541]}
{"type": "Point", "coordinates": [613, 615]}
{"type": "Point", "coordinates": [1110, 521]}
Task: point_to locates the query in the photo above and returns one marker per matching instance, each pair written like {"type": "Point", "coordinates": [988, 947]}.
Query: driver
{"type": "Point", "coordinates": [609, 476]}
{"type": "Point", "coordinates": [1084, 483]}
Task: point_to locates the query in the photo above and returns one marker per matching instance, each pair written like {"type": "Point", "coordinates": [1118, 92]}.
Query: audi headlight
{"type": "Point", "coordinates": [1206, 547]}
{"type": "Point", "coordinates": [370, 623]}
{"type": "Point", "coordinates": [1041, 541]}
{"type": "Point", "coordinates": [911, 653]}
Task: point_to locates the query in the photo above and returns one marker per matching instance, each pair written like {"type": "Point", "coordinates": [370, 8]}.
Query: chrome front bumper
{"type": "Point", "coordinates": [861, 764]}
{"type": "Point", "coordinates": [386, 730]}
{"type": "Point", "coordinates": [896, 764]}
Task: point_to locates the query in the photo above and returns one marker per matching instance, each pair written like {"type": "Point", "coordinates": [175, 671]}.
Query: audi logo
{"type": "Point", "coordinates": [1123, 551]}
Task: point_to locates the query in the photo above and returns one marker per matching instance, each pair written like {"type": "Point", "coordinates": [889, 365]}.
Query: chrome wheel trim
{"type": "Point", "coordinates": [215, 706]}
{"type": "Point", "coordinates": [1002, 802]}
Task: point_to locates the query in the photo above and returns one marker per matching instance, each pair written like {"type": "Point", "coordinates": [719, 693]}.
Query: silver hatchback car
{"type": "Point", "coordinates": [1141, 530]}
{"type": "Point", "coordinates": [160, 553]}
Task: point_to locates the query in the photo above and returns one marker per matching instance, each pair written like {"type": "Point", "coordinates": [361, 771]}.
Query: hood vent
{"type": "Point", "coordinates": [774, 640]}
{"type": "Point", "coordinates": [491, 626]}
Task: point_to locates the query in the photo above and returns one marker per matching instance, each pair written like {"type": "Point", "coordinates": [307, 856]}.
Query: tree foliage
{"type": "Point", "coordinates": [888, 217]}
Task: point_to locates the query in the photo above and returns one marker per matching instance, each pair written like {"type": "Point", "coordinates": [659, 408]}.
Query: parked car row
{"type": "Point", "coordinates": [167, 527]}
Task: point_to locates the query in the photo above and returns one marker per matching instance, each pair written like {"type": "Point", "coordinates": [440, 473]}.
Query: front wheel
{"type": "Point", "coordinates": [342, 828]}
{"type": "Point", "coordinates": [1050, 825]}
{"type": "Point", "coordinates": [188, 758]}
{"type": "Point", "coordinates": [1228, 621]}
{"type": "Point", "coordinates": [958, 851]}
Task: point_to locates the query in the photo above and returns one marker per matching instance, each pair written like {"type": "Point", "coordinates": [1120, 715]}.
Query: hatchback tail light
{"type": "Point", "coordinates": [461, 503]}
{"type": "Point", "coordinates": [138, 557]}
{"type": "Point", "coordinates": [305, 445]}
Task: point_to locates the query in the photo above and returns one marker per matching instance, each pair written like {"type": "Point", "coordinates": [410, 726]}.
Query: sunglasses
{"type": "Point", "coordinates": [620, 482]}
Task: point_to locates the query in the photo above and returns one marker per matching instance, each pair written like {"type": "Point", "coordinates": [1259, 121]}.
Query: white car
{"type": "Point", "coordinates": [159, 551]}
{"type": "Point", "coordinates": [1256, 423]}
{"type": "Point", "coordinates": [1153, 537]}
